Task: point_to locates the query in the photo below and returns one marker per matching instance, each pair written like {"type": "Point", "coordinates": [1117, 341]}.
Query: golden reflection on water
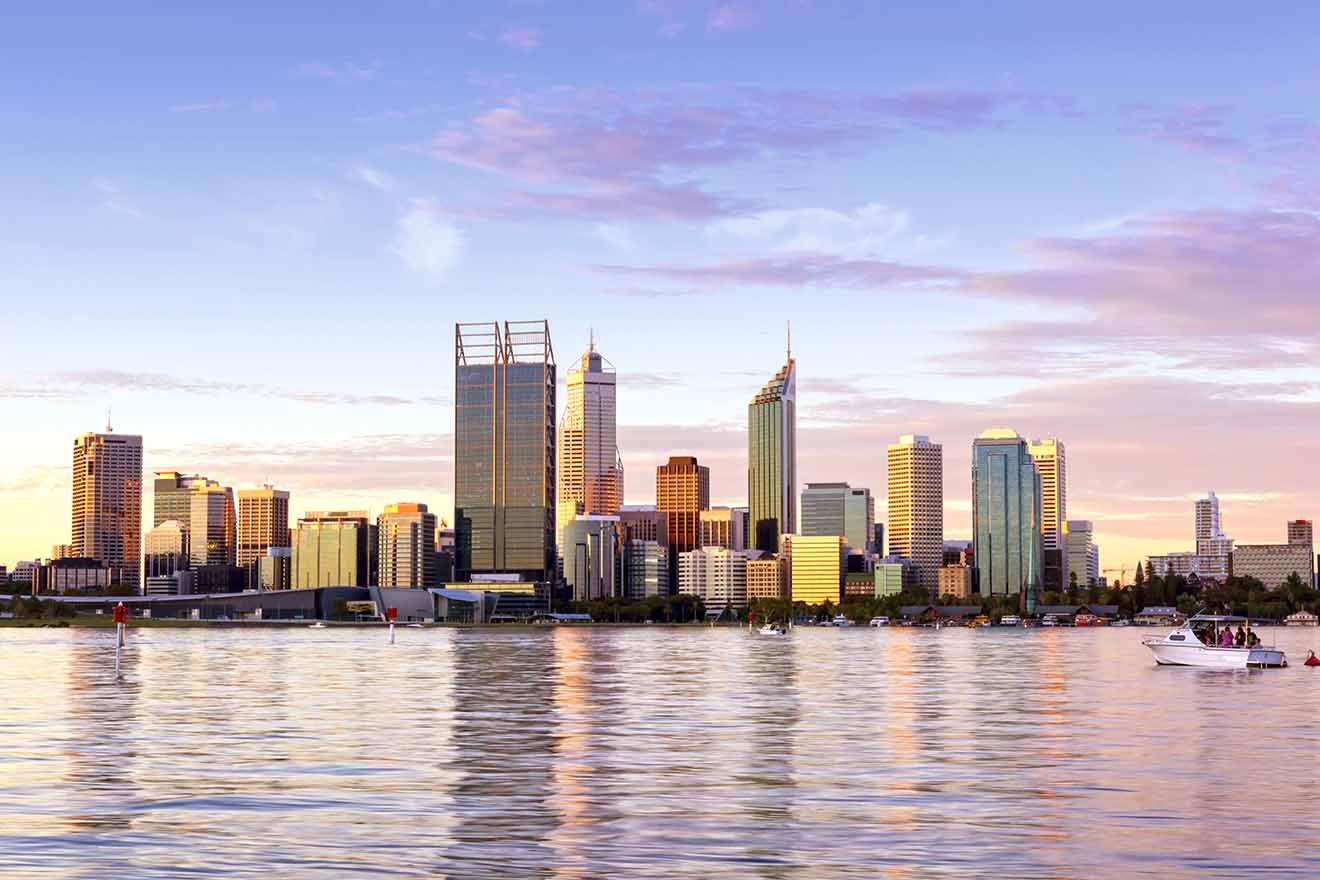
{"type": "Point", "coordinates": [692, 752]}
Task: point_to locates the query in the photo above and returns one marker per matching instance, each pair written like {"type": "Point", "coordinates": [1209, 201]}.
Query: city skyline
{"type": "Point", "coordinates": [965, 230]}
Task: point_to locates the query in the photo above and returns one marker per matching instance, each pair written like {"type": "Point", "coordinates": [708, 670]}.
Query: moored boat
{"type": "Point", "coordinates": [1197, 643]}
{"type": "Point", "coordinates": [880, 621]}
{"type": "Point", "coordinates": [840, 620]}
{"type": "Point", "coordinates": [1010, 620]}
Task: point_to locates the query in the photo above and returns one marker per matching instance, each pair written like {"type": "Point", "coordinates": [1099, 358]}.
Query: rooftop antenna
{"type": "Point", "coordinates": [591, 340]}
{"type": "Point", "coordinates": [109, 426]}
{"type": "Point", "coordinates": [788, 327]}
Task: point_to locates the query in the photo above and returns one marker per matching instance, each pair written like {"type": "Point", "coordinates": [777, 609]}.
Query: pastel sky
{"type": "Point", "coordinates": [250, 227]}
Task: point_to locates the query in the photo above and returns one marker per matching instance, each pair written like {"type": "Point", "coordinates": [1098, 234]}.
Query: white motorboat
{"type": "Point", "coordinates": [1196, 643]}
{"type": "Point", "coordinates": [317, 625]}
{"type": "Point", "coordinates": [1010, 620]}
{"type": "Point", "coordinates": [840, 620]}
{"type": "Point", "coordinates": [879, 621]}
{"type": "Point", "coordinates": [772, 629]}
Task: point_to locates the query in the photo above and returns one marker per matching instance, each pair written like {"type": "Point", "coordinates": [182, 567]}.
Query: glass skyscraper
{"type": "Point", "coordinates": [1006, 514]}
{"type": "Point", "coordinates": [772, 460]}
{"type": "Point", "coordinates": [504, 450]}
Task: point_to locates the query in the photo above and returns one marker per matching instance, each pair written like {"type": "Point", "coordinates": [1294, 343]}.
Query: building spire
{"type": "Point", "coordinates": [109, 424]}
{"type": "Point", "coordinates": [788, 329]}
{"type": "Point", "coordinates": [591, 340]}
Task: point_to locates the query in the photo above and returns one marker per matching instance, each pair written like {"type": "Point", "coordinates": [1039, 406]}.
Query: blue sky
{"type": "Point", "coordinates": [250, 230]}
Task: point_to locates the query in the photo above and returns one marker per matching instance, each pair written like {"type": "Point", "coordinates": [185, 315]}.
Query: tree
{"type": "Point", "coordinates": [1072, 587]}
{"type": "Point", "coordinates": [1139, 578]}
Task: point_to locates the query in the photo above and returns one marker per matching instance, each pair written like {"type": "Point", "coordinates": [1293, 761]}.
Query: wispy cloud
{"type": "Point", "coordinates": [75, 384]}
{"type": "Point", "coordinates": [729, 17]}
{"type": "Point", "coordinates": [345, 72]}
{"type": "Point", "coordinates": [36, 477]}
{"type": "Point", "coordinates": [374, 177]}
{"type": "Point", "coordinates": [427, 242]}
{"type": "Point", "coordinates": [524, 38]}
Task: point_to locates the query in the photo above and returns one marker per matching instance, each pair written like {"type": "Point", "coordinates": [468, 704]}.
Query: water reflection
{"type": "Point", "coordinates": [578, 753]}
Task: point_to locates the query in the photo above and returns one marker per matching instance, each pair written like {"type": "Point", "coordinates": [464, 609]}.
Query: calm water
{"type": "Point", "coordinates": [649, 753]}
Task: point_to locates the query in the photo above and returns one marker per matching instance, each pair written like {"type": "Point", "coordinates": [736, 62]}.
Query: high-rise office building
{"type": "Point", "coordinates": [645, 569]}
{"type": "Point", "coordinates": [1299, 535]}
{"type": "Point", "coordinates": [165, 549]}
{"type": "Point", "coordinates": [682, 491]}
{"type": "Point", "coordinates": [331, 549]}
{"type": "Point", "coordinates": [915, 481]}
{"type": "Point", "coordinates": [723, 527]}
{"type": "Point", "coordinates": [504, 450]}
{"type": "Point", "coordinates": [1051, 465]}
{"type": "Point", "coordinates": [590, 470]}
{"type": "Point", "coordinates": [839, 509]}
{"type": "Point", "coordinates": [642, 522]}
{"type": "Point", "coordinates": [1207, 518]}
{"type": "Point", "coordinates": [263, 522]}
{"type": "Point", "coordinates": [593, 560]}
{"type": "Point", "coordinates": [815, 567]}
{"type": "Point", "coordinates": [1080, 553]}
{"type": "Point", "coordinates": [1006, 514]}
{"type": "Point", "coordinates": [212, 524]}
{"type": "Point", "coordinates": [172, 496]}
{"type": "Point", "coordinates": [405, 546]}
{"type": "Point", "coordinates": [107, 502]}
{"type": "Point", "coordinates": [772, 459]}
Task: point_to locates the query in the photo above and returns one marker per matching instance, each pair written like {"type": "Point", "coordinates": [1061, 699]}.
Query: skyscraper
{"type": "Point", "coordinates": [405, 540]}
{"type": "Point", "coordinates": [172, 496]}
{"type": "Point", "coordinates": [838, 509]}
{"type": "Point", "coordinates": [1080, 555]}
{"type": "Point", "coordinates": [590, 470]}
{"type": "Point", "coordinates": [682, 491]}
{"type": "Point", "coordinates": [165, 549]}
{"type": "Point", "coordinates": [504, 450]}
{"type": "Point", "coordinates": [1005, 514]}
{"type": "Point", "coordinates": [330, 549]}
{"type": "Point", "coordinates": [723, 527]}
{"type": "Point", "coordinates": [593, 563]}
{"type": "Point", "coordinates": [1214, 549]}
{"type": "Point", "coordinates": [1050, 460]}
{"type": "Point", "coordinates": [263, 522]}
{"type": "Point", "coordinates": [212, 524]}
{"type": "Point", "coordinates": [1207, 518]}
{"type": "Point", "coordinates": [915, 481]}
{"type": "Point", "coordinates": [107, 502]}
{"type": "Point", "coordinates": [772, 459]}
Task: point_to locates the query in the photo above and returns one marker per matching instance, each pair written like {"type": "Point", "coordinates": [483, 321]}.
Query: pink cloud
{"type": "Point", "coordinates": [729, 17]}
{"type": "Point", "coordinates": [521, 38]}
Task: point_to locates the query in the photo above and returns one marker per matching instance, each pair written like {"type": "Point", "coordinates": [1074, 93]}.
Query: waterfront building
{"type": "Point", "coordinates": [859, 583]}
{"type": "Point", "coordinates": [1081, 559]}
{"type": "Point", "coordinates": [890, 576]}
{"type": "Point", "coordinates": [815, 567]}
{"type": "Point", "coordinates": [839, 509]}
{"type": "Point", "coordinates": [504, 450]}
{"type": "Point", "coordinates": [682, 491]}
{"type": "Point", "coordinates": [1051, 464]}
{"type": "Point", "coordinates": [1273, 564]}
{"type": "Point", "coordinates": [772, 460]}
{"type": "Point", "coordinates": [180, 583]}
{"type": "Point", "coordinates": [1184, 564]}
{"type": "Point", "coordinates": [646, 569]}
{"type": "Point", "coordinates": [692, 573]}
{"type": "Point", "coordinates": [765, 577]}
{"type": "Point", "coordinates": [592, 563]}
{"type": "Point", "coordinates": [331, 549]}
{"type": "Point", "coordinates": [165, 549]}
{"type": "Point", "coordinates": [212, 524]}
{"type": "Point", "coordinates": [915, 480]}
{"type": "Point", "coordinates": [723, 527]}
{"type": "Point", "coordinates": [590, 469]}
{"type": "Point", "coordinates": [72, 575]}
{"type": "Point", "coordinates": [274, 571]}
{"type": "Point", "coordinates": [405, 546]}
{"type": "Point", "coordinates": [1299, 535]}
{"type": "Point", "coordinates": [107, 502]}
{"type": "Point", "coordinates": [1005, 514]}
{"type": "Point", "coordinates": [1214, 557]}
{"type": "Point", "coordinates": [955, 580]}
{"type": "Point", "coordinates": [263, 522]}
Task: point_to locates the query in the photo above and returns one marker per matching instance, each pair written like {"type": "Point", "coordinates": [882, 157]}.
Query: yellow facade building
{"type": "Point", "coordinates": [816, 566]}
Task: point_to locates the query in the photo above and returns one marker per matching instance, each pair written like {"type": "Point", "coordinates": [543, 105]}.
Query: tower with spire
{"type": "Point", "coordinates": [772, 456]}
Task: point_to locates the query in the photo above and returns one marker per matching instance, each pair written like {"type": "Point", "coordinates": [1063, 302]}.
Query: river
{"type": "Point", "coordinates": [649, 752]}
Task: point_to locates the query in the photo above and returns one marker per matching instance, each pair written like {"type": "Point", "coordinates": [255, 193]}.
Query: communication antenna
{"type": "Point", "coordinates": [109, 426]}
{"type": "Point", "coordinates": [788, 329]}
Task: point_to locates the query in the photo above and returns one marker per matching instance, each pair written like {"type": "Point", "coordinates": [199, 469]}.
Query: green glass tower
{"type": "Point", "coordinates": [772, 459]}
{"type": "Point", "coordinates": [1006, 514]}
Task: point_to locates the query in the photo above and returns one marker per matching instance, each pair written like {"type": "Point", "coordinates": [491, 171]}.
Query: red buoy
{"type": "Point", "coordinates": [1312, 660]}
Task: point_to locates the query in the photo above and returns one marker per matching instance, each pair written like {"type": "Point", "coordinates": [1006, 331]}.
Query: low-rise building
{"type": "Point", "coordinates": [891, 574]}
{"type": "Point", "coordinates": [955, 580]}
{"type": "Point", "coordinates": [1272, 564]}
{"type": "Point", "coordinates": [1157, 615]}
{"type": "Point", "coordinates": [765, 577]}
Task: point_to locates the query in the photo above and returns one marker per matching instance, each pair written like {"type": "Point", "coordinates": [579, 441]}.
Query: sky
{"type": "Point", "coordinates": [245, 232]}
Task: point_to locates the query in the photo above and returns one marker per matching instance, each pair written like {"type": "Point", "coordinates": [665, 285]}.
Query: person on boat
{"type": "Point", "coordinates": [1241, 637]}
{"type": "Point", "coordinates": [1253, 640]}
{"type": "Point", "coordinates": [1226, 637]}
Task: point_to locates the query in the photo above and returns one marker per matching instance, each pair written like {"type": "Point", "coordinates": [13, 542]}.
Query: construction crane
{"type": "Point", "coordinates": [1122, 575]}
